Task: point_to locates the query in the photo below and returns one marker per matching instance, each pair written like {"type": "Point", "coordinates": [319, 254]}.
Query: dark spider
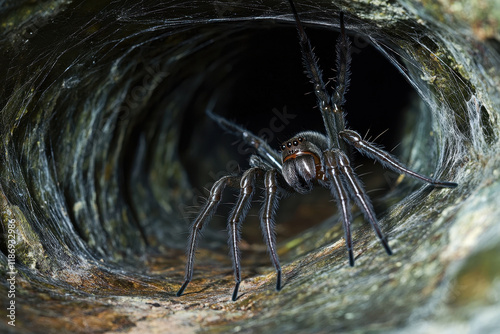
{"type": "Point", "coordinates": [306, 159]}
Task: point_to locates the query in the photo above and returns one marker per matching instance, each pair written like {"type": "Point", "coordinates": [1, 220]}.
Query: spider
{"type": "Point", "coordinates": [307, 159]}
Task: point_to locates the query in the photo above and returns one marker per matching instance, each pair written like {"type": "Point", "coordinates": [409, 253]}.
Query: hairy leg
{"type": "Point", "coordinates": [267, 220]}
{"type": "Point", "coordinates": [342, 198]}
{"type": "Point", "coordinates": [204, 216]}
{"type": "Point", "coordinates": [358, 193]}
{"type": "Point", "coordinates": [247, 189]}
{"type": "Point", "coordinates": [387, 160]}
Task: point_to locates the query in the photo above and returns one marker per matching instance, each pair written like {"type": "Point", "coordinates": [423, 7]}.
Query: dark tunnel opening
{"type": "Point", "coordinates": [267, 92]}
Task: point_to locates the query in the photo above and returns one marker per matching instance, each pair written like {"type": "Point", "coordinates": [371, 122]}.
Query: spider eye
{"type": "Point", "coordinates": [300, 139]}
{"type": "Point", "coordinates": [289, 144]}
{"type": "Point", "coordinates": [282, 147]}
{"type": "Point", "coordinates": [295, 143]}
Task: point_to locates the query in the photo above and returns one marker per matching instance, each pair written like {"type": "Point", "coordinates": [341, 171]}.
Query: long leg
{"type": "Point", "coordinates": [237, 216]}
{"type": "Point", "coordinates": [387, 160]}
{"type": "Point", "coordinates": [271, 156]}
{"type": "Point", "coordinates": [267, 220]}
{"type": "Point", "coordinates": [342, 199]}
{"type": "Point", "coordinates": [343, 63]}
{"type": "Point", "coordinates": [204, 216]}
{"type": "Point", "coordinates": [332, 117]}
{"type": "Point", "coordinates": [359, 195]}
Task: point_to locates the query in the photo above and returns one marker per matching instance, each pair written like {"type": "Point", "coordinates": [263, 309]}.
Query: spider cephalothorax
{"type": "Point", "coordinates": [307, 159]}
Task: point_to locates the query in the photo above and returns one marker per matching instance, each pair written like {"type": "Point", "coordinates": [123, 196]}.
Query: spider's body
{"type": "Point", "coordinates": [308, 159]}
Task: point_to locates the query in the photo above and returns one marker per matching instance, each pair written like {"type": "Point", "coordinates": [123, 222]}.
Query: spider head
{"type": "Point", "coordinates": [301, 163]}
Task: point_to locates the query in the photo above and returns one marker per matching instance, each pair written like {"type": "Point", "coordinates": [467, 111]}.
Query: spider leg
{"type": "Point", "coordinates": [387, 160]}
{"type": "Point", "coordinates": [271, 156]}
{"type": "Point", "coordinates": [359, 195]}
{"type": "Point", "coordinates": [267, 220]}
{"type": "Point", "coordinates": [342, 199]}
{"type": "Point", "coordinates": [237, 216]}
{"type": "Point", "coordinates": [333, 117]}
{"type": "Point", "coordinates": [204, 216]}
{"type": "Point", "coordinates": [343, 63]}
